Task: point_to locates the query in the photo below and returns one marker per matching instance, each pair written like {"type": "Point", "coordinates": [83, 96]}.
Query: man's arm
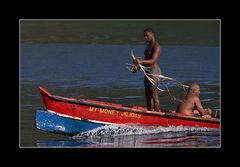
{"type": "Point", "coordinates": [150, 61]}
{"type": "Point", "coordinates": [199, 106]}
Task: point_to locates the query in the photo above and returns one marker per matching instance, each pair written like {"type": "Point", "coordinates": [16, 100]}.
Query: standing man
{"type": "Point", "coordinates": [152, 53]}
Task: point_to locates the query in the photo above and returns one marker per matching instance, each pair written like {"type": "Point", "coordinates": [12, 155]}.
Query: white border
{"type": "Point", "coordinates": [19, 86]}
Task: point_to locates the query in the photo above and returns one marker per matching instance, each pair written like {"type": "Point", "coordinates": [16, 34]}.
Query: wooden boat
{"type": "Point", "coordinates": [71, 115]}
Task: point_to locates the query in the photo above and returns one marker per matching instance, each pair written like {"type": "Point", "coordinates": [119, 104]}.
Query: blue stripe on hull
{"type": "Point", "coordinates": [51, 122]}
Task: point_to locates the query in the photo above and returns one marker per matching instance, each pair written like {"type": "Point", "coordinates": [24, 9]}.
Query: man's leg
{"type": "Point", "coordinates": [148, 94]}
{"type": "Point", "coordinates": [148, 99]}
{"type": "Point", "coordinates": [196, 112]}
{"type": "Point", "coordinates": [154, 89]}
{"type": "Point", "coordinates": [156, 101]}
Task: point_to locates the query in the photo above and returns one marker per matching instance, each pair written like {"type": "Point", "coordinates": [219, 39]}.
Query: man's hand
{"type": "Point", "coordinates": [208, 111]}
{"type": "Point", "coordinates": [137, 61]}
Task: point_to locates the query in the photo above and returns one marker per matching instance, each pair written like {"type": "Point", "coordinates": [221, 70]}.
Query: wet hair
{"type": "Point", "coordinates": [148, 30]}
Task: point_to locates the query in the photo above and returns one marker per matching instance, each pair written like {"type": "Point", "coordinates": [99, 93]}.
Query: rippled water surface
{"type": "Point", "coordinates": [98, 72]}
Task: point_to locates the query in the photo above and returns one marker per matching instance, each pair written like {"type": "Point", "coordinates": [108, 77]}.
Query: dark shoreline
{"type": "Point", "coordinates": [178, 32]}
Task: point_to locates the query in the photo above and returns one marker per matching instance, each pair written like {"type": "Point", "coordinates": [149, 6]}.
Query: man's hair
{"type": "Point", "coordinates": [148, 30]}
{"type": "Point", "coordinates": [192, 86]}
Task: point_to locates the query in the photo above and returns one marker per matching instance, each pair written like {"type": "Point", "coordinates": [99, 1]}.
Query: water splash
{"type": "Point", "coordinates": [128, 130]}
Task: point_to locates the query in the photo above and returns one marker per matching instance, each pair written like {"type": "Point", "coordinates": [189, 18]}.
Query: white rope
{"type": "Point", "coordinates": [159, 77]}
{"type": "Point", "coordinates": [216, 111]}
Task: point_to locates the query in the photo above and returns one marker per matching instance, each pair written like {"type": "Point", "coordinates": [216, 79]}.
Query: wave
{"type": "Point", "coordinates": [128, 130]}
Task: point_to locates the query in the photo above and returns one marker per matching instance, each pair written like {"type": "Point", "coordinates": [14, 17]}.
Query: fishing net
{"type": "Point", "coordinates": [165, 84]}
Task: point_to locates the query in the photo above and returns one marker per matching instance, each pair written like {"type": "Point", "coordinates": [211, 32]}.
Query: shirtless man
{"type": "Point", "coordinates": [191, 104]}
{"type": "Point", "coordinates": [152, 53]}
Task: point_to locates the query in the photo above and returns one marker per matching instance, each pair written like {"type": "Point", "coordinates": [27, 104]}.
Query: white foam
{"type": "Point", "coordinates": [123, 130]}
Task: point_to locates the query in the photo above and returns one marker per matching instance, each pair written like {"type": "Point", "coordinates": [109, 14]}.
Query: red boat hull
{"type": "Point", "coordinates": [110, 113]}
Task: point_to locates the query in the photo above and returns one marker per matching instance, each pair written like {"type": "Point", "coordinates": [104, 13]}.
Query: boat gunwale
{"type": "Point", "coordinates": [109, 106]}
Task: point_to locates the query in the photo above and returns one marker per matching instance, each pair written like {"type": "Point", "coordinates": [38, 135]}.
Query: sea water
{"type": "Point", "coordinates": [98, 72]}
